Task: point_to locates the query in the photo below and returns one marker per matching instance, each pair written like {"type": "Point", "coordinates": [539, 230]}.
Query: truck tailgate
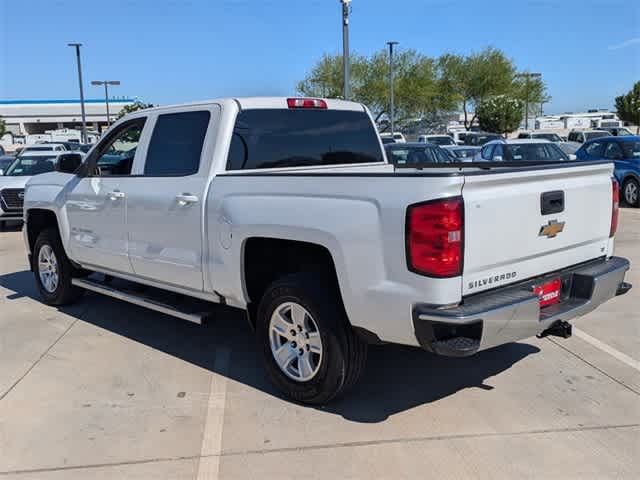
{"type": "Point", "coordinates": [507, 236]}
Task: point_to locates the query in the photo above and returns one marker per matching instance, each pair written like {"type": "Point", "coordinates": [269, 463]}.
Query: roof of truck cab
{"type": "Point", "coordinates": [259, 103]}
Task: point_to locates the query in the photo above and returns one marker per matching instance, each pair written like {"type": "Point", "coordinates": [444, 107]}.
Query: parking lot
{"type": "Point", "coordinates": [105, 389]}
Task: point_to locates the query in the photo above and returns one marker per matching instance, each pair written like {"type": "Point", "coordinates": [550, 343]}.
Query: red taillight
{"type": "Point", "coordinates": [615, 197]}
{"type": "Point", "coordinates": [306, 103]}
{"type": "Point", "coordinates": [435, 235]}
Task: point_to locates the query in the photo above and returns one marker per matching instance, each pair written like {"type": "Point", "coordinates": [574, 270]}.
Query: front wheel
{"type": "Point", "coordinates": [53, 270]}
{"type": "Point", "coordinates": [631, 192]}
{"type": "Point", "coordinates": [310, 350]}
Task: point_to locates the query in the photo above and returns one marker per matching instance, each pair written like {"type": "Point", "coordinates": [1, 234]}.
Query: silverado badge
{"type": "Point", "coordinates": [551, 229]}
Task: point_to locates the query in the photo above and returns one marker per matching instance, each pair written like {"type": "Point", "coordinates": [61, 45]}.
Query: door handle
{"type": "Point", "coordinates": [115, 195]}
{"type": "Point", "coordinates": [552, 202]}
{"type": "Point", "coordinates": [186, 199]}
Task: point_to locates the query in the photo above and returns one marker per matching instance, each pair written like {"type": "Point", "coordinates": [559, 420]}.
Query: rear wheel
{"type": "Point", "coordinates": [310, 350]}
{"type": "Point", "coordinates": [53, 270]}
{"type": "Point", "coordinates": [631, 192]}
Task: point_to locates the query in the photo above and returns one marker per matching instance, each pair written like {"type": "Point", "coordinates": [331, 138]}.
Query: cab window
{"type": "Point", "coordinates": [613, 151]}
{"type": "Point", "coordinates": [594, 149]}
{"type": "Point", "coordinates": [115, 156]}
{"type": "Point", "coordinates": [176, 144]}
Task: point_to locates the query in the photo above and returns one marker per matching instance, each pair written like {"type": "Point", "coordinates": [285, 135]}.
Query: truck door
{"type": "Point", "coordinates": [165, 200]}
{"type": "Point", "coordinates": [96, 204]}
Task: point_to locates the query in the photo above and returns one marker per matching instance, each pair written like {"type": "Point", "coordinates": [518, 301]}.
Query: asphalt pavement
{"type": "Point", "coordinates": [104, 389]}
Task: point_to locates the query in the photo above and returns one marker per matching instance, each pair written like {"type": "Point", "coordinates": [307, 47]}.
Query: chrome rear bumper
{"type": "Point", "coordinates": [513, 313]}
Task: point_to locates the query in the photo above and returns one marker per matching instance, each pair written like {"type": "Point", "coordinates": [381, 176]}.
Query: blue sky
{"type": "Point", "coordinates": [170, 51]}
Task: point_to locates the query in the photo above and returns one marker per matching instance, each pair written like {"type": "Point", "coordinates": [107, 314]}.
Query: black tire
{"type": "Point", "coordinates": [64, 293]}
{"type": "Point", "coordinates": [629, 182]}
{"type": "Point", "coordinates": [344, 353]}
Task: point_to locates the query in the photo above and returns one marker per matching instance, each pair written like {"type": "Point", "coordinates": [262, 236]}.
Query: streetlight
{"type": "Point", "coordinates": [106, 84]}
{"type": "Point", "coordinates": [392, 112]}
{"type": "Point", "coordinates": [345, 47]}
{"type": "Point", "coordinates": [527, 76]}
{"type": "Point", "coordinates": [84, 118]}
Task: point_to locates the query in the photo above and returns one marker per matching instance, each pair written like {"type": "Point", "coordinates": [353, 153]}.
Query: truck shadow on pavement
{"type": "Point", "coordinates": [396, 378]}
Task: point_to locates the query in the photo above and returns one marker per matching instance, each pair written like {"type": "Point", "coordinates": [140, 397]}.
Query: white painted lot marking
{"type": "Point", "coordinates": [606, 348]}
{"type": "Point", "coordinates": [214, 421]}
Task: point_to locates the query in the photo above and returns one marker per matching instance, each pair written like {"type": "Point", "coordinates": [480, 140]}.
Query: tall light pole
{"type": "Point", "coordinates": [345, 47]}
{"type": "Point", "coordinates": [391, 93]}
{"type": "Point", "coordinates": [527, 76]}
{"type": "Point", "coordinates": [84, 118]}
{"type": "Point", "coordinates": [106, 84]}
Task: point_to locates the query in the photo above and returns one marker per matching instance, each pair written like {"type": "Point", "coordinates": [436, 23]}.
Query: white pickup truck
{"type": "Point", "coordinates": [288, 209]}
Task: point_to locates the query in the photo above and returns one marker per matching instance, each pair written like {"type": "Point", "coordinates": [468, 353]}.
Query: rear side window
{"type": "Point", "coordinates": [176, 144]}
{"type": "Point", "coordinates": [275, 138]}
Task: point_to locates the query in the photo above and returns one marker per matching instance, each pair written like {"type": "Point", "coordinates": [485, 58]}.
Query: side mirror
{"type": "Point", "coordinates": [497, 158]}
{"type": "Point", "coordinates": [572, 157]}
{"type": "Point", "coordinates": [68, 162]}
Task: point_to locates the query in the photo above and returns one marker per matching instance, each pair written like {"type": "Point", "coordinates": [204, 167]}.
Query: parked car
{"type": "Point", "coordinates": [5, 161]}
{"type": "Point", "coordinates": [477, 139]}
{"type": "Point", "coordinates": [521, 150]}
{"type": "Point", "coordinates": [617, 131]}
{"type": "Point", "coordinates": [288, 209]}
{"type": "Point", "coordinates": [397, 136]}
{"type": "Point", "coordinates": [415, 154]}
{"type": "Point", "coordinates": [461, 152]}
{"type": "Point", "coordinates": [551, 136]}
{"type": "Point", "coordinates": [70, 146]}
{"type": "Point", "coordinates": [43, 147]}
{"type": "Point", "coordinates": [436, 139]}
{"type": "Point", "coordinates": [458, 136]}
{"type": "Point", "coordinates": [624, 151]}
{"type": "Point", "coordinates": [16, 176]}
{"type": "Point", "coordinates": [581, 136]}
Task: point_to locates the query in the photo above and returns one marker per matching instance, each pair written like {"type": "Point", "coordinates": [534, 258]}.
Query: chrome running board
{"type": "Point", "coordinates": [137, 299]}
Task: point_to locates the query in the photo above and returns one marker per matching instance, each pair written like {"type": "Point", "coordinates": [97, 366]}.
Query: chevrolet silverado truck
{"type": "Point", "coordinates": [288, 209]}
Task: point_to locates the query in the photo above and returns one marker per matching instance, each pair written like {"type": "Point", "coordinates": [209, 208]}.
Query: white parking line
{"type": "Point", "coordinates": [214, 421]}
{"type": "Point", "coordinates": [606, 348]}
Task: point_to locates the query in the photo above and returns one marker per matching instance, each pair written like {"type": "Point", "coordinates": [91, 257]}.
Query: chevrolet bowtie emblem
{"type": "Point", "coordinates": [551, 229]}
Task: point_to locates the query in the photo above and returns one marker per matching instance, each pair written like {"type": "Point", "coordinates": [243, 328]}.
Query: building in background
{"type": "Point", "coordinates": [32, 117]}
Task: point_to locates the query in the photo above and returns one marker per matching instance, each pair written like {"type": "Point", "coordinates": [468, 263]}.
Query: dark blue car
{"type": "Point", "coordinates": [625, 153]}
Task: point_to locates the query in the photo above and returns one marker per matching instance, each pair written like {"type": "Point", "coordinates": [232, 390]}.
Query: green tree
{"type": "Point", "coordinates": [500, 114]}
{"type": "Point", "coordinates": [476, 77]}
{"type": "Point", "coordinates": [416, 88]}
{"type": "Point", "coordinates": [532, 90]}
{"type": "Point", "coordinates": [133, 107]}
{"type": "Point", "coordinates": [628, 106]}
{"type": "Point", "coordinates": [3, 127]}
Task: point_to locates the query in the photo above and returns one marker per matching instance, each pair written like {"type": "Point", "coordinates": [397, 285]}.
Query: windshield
{"type": "Point", "coordinates": [534, 152]}
{"type": "Point", "coordinates": [27, 165]}
{"type": "Point", "coordinates": [590, 135]}
{"type": "Point", "coordinates": [552, 137]}
{"type": "Point", "coordinates": [623, 132]}
{"type": "Point", "coordinates": [631, 149]}
{"type": "Point", "coordinates": [441, 140]}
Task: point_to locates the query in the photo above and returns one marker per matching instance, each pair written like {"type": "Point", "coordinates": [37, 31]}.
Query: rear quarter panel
{"type": "Point", "coordinates": [360, 220]}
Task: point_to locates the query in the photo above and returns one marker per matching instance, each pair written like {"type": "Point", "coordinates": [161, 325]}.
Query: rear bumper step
{"type": "Point", "coordinates": [514, 312]}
